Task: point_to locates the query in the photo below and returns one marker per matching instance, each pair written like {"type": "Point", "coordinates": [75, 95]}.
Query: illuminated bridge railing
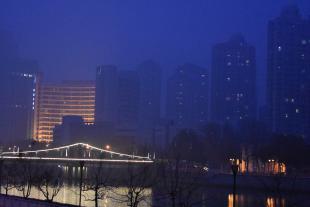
{"type": "Point", "coordinates": [75, 152]}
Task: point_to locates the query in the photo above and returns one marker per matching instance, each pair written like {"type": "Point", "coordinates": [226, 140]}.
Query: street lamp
{"type": "Point", "coordinates": [272, 166]}
{"type": "Point", "coordinates": [234, 169]}
{"type": "Point", "coordinates": [108, 147]}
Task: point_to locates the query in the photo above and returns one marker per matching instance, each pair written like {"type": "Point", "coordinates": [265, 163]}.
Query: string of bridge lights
{"type": "Point", "coordinates": [78, 159]}
{"type": "Point", "coordinates": [67, 147]}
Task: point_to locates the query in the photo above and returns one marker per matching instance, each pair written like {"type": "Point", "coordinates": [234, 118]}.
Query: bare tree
{"type": "Point", "coordinates": [8, 176]}
{"type": "Point", "coordinates": [49, 182]}
{"type": "Point", "coordinates": [96, 181]}
{"type": "Point", "coordinates": [26, 177]}
{"type": "Point", "coordinates": [180, 183]}
{"type": "Point", "coordinates": [138, 180]}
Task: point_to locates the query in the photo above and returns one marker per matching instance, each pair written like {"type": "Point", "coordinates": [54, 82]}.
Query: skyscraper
{"type": "Point", "coordinates": [128, 99]}
{"type": "Point", "coordinates": [18, 103]}
{"type": "Point", "coordinates": [63, 99]}
{"type": "Point", "coordinates": [233, 91]}
{"type": "Point", "coordinates": [150, 77]}
{"type": "Point", "coordinates": [288, 81]}
{"type": "Point", "coordinates": [106, 94]}
{"type": "Point", "coordinates": [187, 97]}
{"type": "Point", "coordinates": [117, 99]}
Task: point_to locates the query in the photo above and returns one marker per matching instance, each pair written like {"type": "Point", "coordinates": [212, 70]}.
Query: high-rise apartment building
{"type": "Point", "coordinates": [288, 75]}
{"type": "Point", "coordinates": [19, 85]}
{"type": "Point", "coordinates": [150, 77]}
{"type": "Point", "coordinates": [63, 99]}
{"type": "Point", "coordinates": [117, 99]}
{"type": "Point", "coordinates": [233, 85]}
{"type": "Point", "coordinates": [106, 94]}
{"type": "Point", "coordinates": [187, 97]}
{"type": "Point", "coordinates": [128, 99]}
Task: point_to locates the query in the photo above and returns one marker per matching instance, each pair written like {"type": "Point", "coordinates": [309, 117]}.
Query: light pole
{"type": "Point", "coordinates": [1, 164]}
{"type": "Point", "coordinates": [234, 169]}
{"type": "Point", "coordinates": [81, 181]}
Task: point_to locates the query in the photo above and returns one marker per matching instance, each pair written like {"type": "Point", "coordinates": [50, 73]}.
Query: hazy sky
{"type": "Point", "coordinates": [70, 37]}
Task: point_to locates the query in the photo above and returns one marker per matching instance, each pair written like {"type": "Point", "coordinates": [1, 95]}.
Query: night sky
{"type": "Point", "coordinates": [69, 38]}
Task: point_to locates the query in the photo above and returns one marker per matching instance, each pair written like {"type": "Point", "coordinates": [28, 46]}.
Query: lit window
{"type": "Point", "coordinates": [293, 100]}
{"type": "Point", "coordinates": [228, 78]}
{"type": "Point", "coordinates": [286, 116]}
{"type": "Point", "coordinates": [229, 64]}
{"type": "Point", "coordinates": [303, 42]}
{"type": "Point", "coordinates": [227, 117]}
{"type": "Point", "coordinates": [297, 111]}
{"type": "Point", "coordinates": [279, 48]}
{"type": "Point", "coordinates": [247, 61]}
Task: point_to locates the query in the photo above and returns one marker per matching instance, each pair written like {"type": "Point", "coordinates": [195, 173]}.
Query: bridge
{"type": "Point", "coordinates": [78, 152]}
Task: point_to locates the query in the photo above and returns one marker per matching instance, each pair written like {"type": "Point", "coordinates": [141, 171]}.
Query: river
{"type": "Point", "coordinates": [213, 197]}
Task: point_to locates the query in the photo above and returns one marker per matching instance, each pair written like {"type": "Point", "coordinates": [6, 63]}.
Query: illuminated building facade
{"type": "Point", "coordinates": [187, 97]}
{"type": "Point", "coordinates": [288, 75]}
{"type": "Point", "coordinates": [233, 86]}
{"type": "Point", "coordinates": [58, 100]}
{"type": "Point", "coordinates": [19, 86]}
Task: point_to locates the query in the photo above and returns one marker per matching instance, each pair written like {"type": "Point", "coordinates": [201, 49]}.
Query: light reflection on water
{"type": "Point", "coordinates": [243, 201]}
{"type": "Point", "coordinates": [70, 195]}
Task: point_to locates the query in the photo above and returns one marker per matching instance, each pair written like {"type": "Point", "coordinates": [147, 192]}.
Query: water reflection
{"type": "Point", "coordinates": [70, 195]}
{"type": "Point", "coordinates": [275, 202]}
{"type": "Point", "coordinates": [241, 200]}
{"type": "Point", "coordinates": [115, 197]}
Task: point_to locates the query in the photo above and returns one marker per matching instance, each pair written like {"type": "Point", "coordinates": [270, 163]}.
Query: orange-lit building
{"type": "Point", "coordinates": [61, 99]}
{"type": "Point", "coordinates": [270, 167]}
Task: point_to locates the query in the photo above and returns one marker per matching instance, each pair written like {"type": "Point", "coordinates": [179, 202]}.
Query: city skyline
{"type": "Point", "coordinates": [155, 103]}
{"type": "Point", "coordinates": [138, 101]}
{"type": "Point", "coordinates": [78, 51]}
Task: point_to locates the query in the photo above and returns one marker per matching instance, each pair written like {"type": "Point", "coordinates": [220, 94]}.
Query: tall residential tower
{"type": "Point", "coordinates": [187, 97]}
{"type": "Point", "coordinates": [233, 91]}
{"type": "Point", "coordinates": [288, 81]}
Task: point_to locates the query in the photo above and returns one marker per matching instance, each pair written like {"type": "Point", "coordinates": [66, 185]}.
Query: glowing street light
{"type": "Point", "coordinates": [234, 169]}
{"type": "Point", "coordinates": [108, 147]}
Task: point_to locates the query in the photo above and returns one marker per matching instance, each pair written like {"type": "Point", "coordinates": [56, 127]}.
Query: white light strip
{"type": "Point", "coordinates": [77, 159]}
{"type": "Point", "coordinates": [73, 145]}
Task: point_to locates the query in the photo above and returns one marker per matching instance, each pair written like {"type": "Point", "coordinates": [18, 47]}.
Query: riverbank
{"type": "Point", "coordinates": [10, 200]}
